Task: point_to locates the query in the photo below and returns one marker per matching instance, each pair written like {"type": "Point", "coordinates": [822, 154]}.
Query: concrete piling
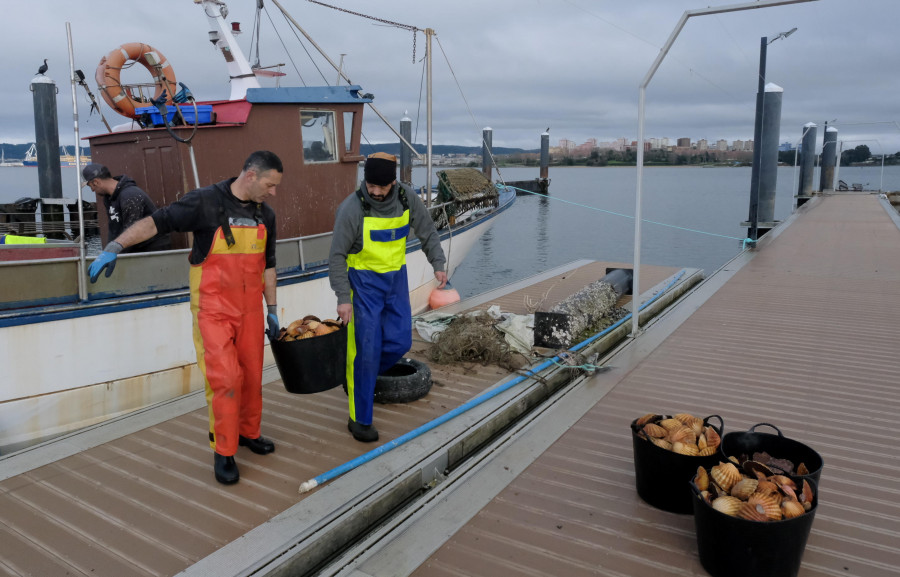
{"type": "Point", "coordinates": [487, 161]}
{"type": "Point", "coordinates": [46, 133]}
{"type": "Point", "coordinates": [807, 162]}
{"type": "Point", "coordinates": [829, 159]}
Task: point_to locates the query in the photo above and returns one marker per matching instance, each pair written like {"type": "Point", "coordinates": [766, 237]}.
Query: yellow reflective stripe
{"type": "Point", "coordinates": [196, 274]}
{"type": "Point", "coordinates": [351, 358]}
{"type": "Point", "coordinates": [385, 256]}
{"type": "Point", "coordinates": [246, 241]}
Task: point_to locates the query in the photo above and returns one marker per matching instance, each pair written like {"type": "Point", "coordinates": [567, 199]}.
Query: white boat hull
{"type": "Point", "coordinates": [62, 375]}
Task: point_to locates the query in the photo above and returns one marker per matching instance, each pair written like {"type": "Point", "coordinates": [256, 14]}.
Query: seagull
{"type": "Point", "coordinates": [43, 67]}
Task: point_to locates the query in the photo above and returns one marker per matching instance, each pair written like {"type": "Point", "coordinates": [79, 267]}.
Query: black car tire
{"type": "Point", "coordinates": [406, 381]}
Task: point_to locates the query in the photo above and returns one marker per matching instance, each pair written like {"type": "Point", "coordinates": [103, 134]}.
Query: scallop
{"type": "Point", "coordinates": [751, 512]}
{"type": "Point", "coordinates": [654, 430]}
{"type": "Point", "coordinates": [701, 479]}
{"type": "Point", "coordinates": [685, 449]}
{"type": "Point", "coordinates": [744, 488]}
{"type": "Point", "coordinates": [769, 504]}
{"type": "Point", "coordinates": [791, 509]}
{"type": "Point", "coordinates": [727, 504]}
{"type": "Point", "coordinates": [670, 424]}
{"type": "Point", "coordinates": [690, 421]}
{"type": "Point", "coordinates": [662, 443]}
{"type": "Point", "coordinates": [712, 437]}
{"type": "Point", "coordinates": [707, 451]}
{"type": "Point", "coordinates": [725, 475]}
{"type": "Point", "coordinates": [683, 435]}
{"type": "Point", "coordinates": [649, 417]}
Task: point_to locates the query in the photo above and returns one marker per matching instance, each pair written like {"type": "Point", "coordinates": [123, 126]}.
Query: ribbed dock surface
{"type": "Point", "coordinates": [146, 503]}
{"type": "Point", "coordinates": [804, 336]}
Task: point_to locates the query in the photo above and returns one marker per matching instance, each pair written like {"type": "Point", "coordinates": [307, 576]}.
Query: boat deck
{"type": "Point", "coordinates": [136, 496]}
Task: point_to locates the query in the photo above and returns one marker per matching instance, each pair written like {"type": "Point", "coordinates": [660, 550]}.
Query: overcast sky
{"type": "Point", "coordinates": [520, 65]}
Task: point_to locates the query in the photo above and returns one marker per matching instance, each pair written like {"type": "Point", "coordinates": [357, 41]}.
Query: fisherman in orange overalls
{"type": "Point", "coordinates": [232, 267]}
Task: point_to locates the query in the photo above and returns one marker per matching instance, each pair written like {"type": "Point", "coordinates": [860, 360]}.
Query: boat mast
{"type": "Point", "coordinates": [344, 76]}
{"type": "Point", "coordinates": [428, 34]}
{"type": "Point", "coordinates": [242, 76]}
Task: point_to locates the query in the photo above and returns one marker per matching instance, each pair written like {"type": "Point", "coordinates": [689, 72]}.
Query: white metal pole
{"type": "Point", "coordinates": [635, 325]}
{"type": "Point", "coordinates": [82, 286]}
{"type": "Point", "coordinates": [428, 34]}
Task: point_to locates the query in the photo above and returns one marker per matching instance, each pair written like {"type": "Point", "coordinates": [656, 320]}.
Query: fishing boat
{"type": "Point", "coordinates": [75, 354]}
{"type": "Point", "coordinates": [65, 159]}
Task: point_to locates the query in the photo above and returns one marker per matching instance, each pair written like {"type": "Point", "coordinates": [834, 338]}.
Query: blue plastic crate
{"type": "Point", "coordinates": [204, 113]}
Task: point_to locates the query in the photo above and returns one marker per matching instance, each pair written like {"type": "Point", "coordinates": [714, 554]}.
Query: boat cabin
{"type": "Point", "coordinates": [314, 130]}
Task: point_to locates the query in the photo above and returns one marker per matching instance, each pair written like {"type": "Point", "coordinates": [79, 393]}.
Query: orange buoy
{"type": "Point", "coordinates": [120, 98]}
{"type": "Point", "coordinates": [441, 297]}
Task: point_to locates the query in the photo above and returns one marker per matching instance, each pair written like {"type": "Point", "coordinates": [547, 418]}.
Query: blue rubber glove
{"type": "Point", "coordinates": [106, 260]}
{"type": "Point", "coordinates": [272, 320]}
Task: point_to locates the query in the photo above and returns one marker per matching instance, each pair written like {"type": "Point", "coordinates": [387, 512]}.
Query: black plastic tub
{"type": "Point", "coordinates": [734, 547]}
{"type": "Point", "coordinates": [663, 478]}
{"type": "Point", "coordinates": [312, 365]}
{"type": "Point", "coordinates": [778, 446]}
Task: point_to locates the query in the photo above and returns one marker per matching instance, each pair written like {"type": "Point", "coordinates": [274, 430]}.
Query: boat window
{"type": "Point", "coordinates": [318, 135]}
{"type": "Point", "coordinates": [348, 130]}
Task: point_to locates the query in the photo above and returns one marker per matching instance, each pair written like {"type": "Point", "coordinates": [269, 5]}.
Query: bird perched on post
{"type": "Point", "coordinates": [43, 67]}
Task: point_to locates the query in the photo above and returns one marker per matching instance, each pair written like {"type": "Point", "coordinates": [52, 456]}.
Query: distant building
{"type": "Point", "coordinates": [702, 144]}
{"type": "Point", "coordinates": [684, 143]}
{"type": "Point", "coordinates": [785, 147]}
{"type": "Point", "coordinates": [722, 145]}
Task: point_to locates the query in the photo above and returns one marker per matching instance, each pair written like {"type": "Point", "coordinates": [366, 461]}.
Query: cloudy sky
{"type": "Point", "coordinates": [517, 66]}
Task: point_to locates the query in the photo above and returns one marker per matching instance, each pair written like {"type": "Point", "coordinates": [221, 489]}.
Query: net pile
{"type": "Point", "coordinates": [471, 338]}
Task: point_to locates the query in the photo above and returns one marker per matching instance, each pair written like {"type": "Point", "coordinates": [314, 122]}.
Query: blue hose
{"type": "Point", "coordinates": [472, 403]}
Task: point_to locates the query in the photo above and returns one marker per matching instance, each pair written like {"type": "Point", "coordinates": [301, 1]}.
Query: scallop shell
{"type": "Point", "coordinates": [312, 325]}
{"type": "Point", "coordinates": [312, 318]}
{"type": "Point", "coordinates": [752, 512]}
{"type": "Point", "coordinates": [662, 443]}
{"type": "Point", "coordinates": [707, 451]}
{"type": "Point", "coordinates": [791, 509]}
{"type": "Point", "coordinates": [701, 479]}
{"type": "Point", "coordinates": [806, 495]}
{"type": "Point", "coordinates": [682, 435]}
{"type": "Point", "coordinates": [712, 437]}
{"type": "Point", "coordinates": [654, 430]}
{"type": "Point", "coordinates": [757, 469]}
{"type": "Point", "coordinates": [744, 488]}
{"type": "Point", "coordinates": [802, 470]}
{"type": "Point", "coordinates": [769, 504]}
{"type": "Point", "coordinates": [294, 327]}
{"type": "Point", "coordinates": [322, 329]}
{"type": "Point", "coordinates": [685, 449]}
{"type": "Point", "coordinates": [670, 424]}
{"type": "Point", "coordinates": [306, 335]}
{"type": "Point", "coordinates": [783, 481]}
{"type": "Point", "coordinates": [766, 486]}
{"type": "Point", "coordinates": [690, 421]}
{"type": "Point", "coordinates": [725, 475]}
{"type": "Point", "coordinates": [649, 417]}
{"type": "Point", "coordinates": [727, 504]}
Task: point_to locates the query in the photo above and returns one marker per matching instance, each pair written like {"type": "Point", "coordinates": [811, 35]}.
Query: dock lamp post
{"type": "Point", "coordinates": [642, 91]}
{"type": "Point", "coordinates": [757, 132]}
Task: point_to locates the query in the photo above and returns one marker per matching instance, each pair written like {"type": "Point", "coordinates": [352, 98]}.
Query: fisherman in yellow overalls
{"type": "Point", "coordinates": [367, 271]}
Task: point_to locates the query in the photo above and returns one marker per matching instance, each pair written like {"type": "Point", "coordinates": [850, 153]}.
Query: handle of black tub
{"type": "Point", "coordinates": [753, 428]}
{"type": "Point", "coordinates": [721, 423]}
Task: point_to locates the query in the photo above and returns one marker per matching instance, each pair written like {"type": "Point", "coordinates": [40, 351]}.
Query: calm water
{"type": "Point", "coordinates": [537, 233]}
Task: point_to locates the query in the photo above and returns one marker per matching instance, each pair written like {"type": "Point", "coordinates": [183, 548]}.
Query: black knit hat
{"type": "Point", "coordinates": [381, 169]}
{"type": "Point", "coordinates": [94, 170]}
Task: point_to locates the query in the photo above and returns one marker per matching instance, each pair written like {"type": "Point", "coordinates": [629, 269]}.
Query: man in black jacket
{"type": "Point", "coordinates": [125, 204]}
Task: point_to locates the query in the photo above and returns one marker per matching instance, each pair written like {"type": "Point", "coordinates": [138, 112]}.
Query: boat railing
{"type": "Point", "coordinates": [42, 286]}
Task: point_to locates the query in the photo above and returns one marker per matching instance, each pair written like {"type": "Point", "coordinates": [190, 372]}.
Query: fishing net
{"type": "Point", "coordinates": [471, 338]}
{"type": "Point", "coordinates": [462, 190]}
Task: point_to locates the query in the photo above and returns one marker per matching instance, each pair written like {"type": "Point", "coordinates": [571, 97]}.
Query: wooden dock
{"type": "Point", "coordinates": [800, 332]}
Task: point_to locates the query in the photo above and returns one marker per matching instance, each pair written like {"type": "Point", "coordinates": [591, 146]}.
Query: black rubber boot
{"type": "Point", "coordinates": [259, 445]}
{"type": "Point", "coordinates": [363, 433]}
{"type": "Point", "coordinates": [226, 470]}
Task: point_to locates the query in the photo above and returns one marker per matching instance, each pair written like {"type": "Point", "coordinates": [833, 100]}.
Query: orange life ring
{"type": "Point", "coordinates": [109, 69]}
